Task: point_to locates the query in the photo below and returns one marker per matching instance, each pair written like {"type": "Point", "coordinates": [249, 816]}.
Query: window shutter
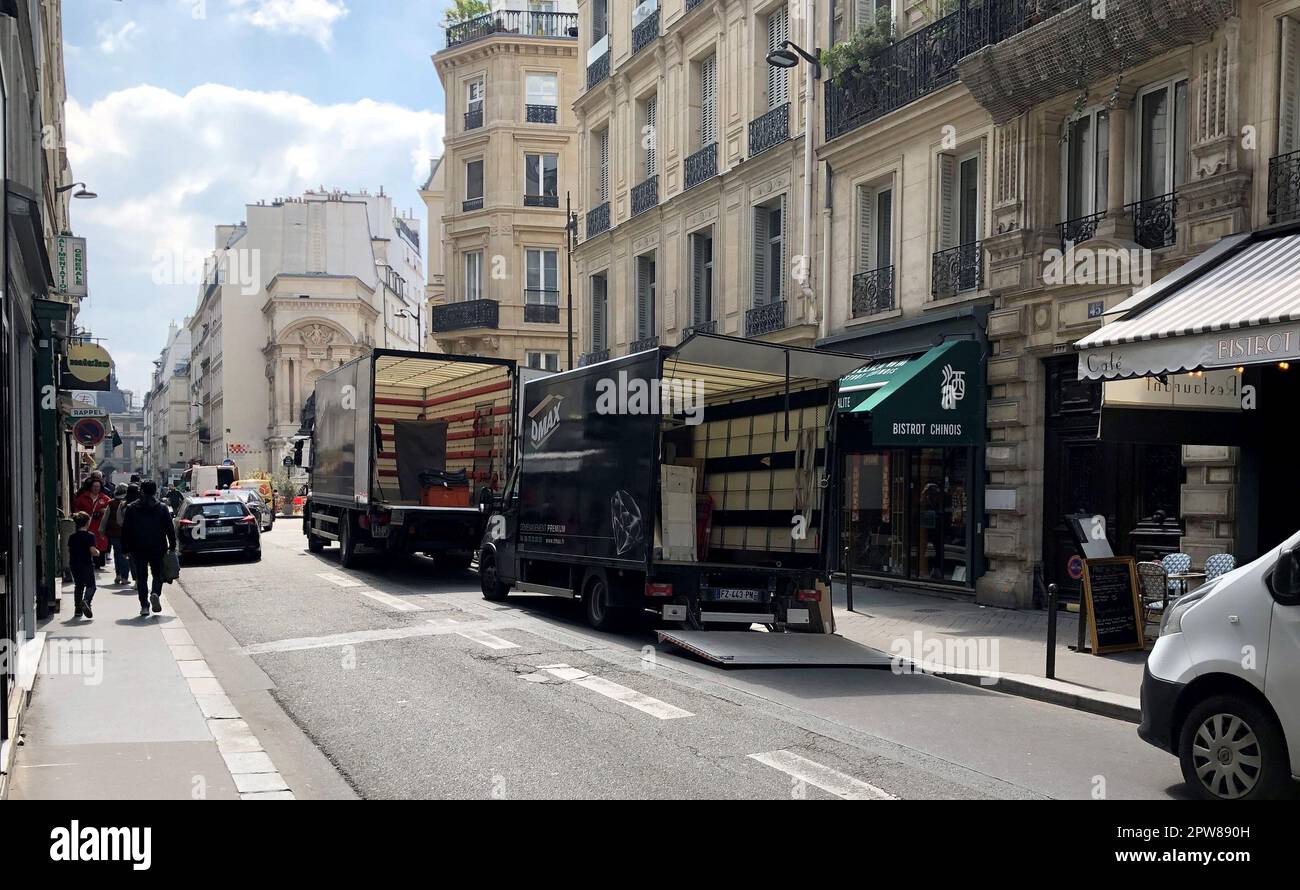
{"type": "Point", "coordinates": [697, 279]}
{"type": "Point", "coordinates": [597, 312]}
{"type": "Point", "coordinates": [760, 256]}
{"type": "Point", "coordinates": [604, 166]}
{"type": "Point", "coordinates": [863, 12]}
{"type": "Point", "coordinates": [642, 297]}
{"type": "Point", "coordinates": [866, 241]}
{"type": "Point", "coordinates": [1289, 88]}
{"type": "Point", "coordinates": [651, 113]}
{"type": "Point", "coordinates": [778, 80]}
{"type": "Point", "coordinates": [947, 202]}
{"type": "Point", "coordinates": [708, 101]}
{"type": "Point", "coordinates": [783, 272]}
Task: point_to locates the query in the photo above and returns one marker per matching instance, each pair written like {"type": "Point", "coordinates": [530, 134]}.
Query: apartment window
{"type": "Point", "coordinates": [875, 227]}
{"type": "Point", "coordinates": [645, 296]}
{"type": "Point", "coordinates": [542, 99]}
{"type": "Point", "coordinates": [865, 12]}
{"type": "Point", "coordinates": [541, 180]}
{"type": "Point", "coordinates": [602, 166]}
{"type": "Point", "coordinates": [649, 135]}
{"type": "Point", "coordinates": [769, 252]}
{"type": "Point", "coordinates": [599, 20]}
{"type": "Point", "coordinates": [474, 181]}
{"type": "Point", "coordinates": [702, 277]}
{"type": "Point", "coordinates": [544, 361]}
{"type": "Point", "coordinates": [959, 200]}
{"type": "Point", "coordinates": [1086, 166]}
{"type": "Point", "coordinates": [708, 101]}
{"type": "Point", "coordinates": [599, 312]}
{"type": "Point", "coordinates": [542, 269]}
{"type": "Point", "coordinates": [474, 275]}
{"type": "Point", "coordinates": [474, 96]}
{"type": "Point", "coordinates": [778, 80]}
{"type": "Point", "coordinates": [1288, 131]}
{"type": "Point", "coordinates": [1162, 140]}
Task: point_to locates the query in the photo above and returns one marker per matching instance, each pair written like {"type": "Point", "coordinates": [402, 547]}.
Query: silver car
{"type": "Point", "coordinates": [256, 505]}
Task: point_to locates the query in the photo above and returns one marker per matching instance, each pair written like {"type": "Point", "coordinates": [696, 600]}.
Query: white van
{"type": "Point", "coordinates": [1222, 685]}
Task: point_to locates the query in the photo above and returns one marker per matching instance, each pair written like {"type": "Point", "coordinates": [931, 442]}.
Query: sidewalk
{"type": "Point", "coordinates": [1009, 647]}
{"type": "Point", "coordinates": [126, 708]}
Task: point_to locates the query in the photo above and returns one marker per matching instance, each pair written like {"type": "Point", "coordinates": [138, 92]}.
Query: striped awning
{"type": "Point", "coordinates": [1236, 304]}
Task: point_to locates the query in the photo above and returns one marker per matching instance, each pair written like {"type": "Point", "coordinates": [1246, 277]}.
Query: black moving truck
{"type": "Point", "coordinates": [689, 481]}
{"type": "Point", "coordinates": [403, 445]}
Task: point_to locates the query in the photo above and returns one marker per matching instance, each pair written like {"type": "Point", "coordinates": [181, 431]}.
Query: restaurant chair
{"type": "Point", "coordinates": [1219, 564]}
{"type": "Point", "coordinates": [1153, 582]}
{"type": "Point", "coordinates": [1174, 564]}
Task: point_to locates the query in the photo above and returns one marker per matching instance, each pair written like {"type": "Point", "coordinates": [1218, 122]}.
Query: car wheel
{"type": "Point", "coordinates": [1230, 748]}
{"type": "Point", "coordinates": [601, 613]}
{"type": "Point", "coordinates": [347, 542]}
{"type": "Point", "coordinates": [489, 578]}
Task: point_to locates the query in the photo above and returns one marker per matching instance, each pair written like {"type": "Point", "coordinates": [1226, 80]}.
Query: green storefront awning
{"type": "Point", "coordinates": [930, 400]}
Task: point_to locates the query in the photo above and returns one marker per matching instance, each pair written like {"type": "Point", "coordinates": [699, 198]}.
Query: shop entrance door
{"type": "Point", "coordinates": [939, 550]}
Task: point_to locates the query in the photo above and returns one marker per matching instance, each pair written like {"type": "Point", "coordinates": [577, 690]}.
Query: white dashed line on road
{"type": "Point", "coordinates": [339, 580]}
{"type": "Point", "coordinates": [396, 603]}
{"type": "Point", "coordinates": [611, 690]}
{"type": "Point", "coordinates": [822, 777]}
{"type": "Point", "coordinates": [427, 629]}
{"type": "Point", "coordinates": [492, 641]}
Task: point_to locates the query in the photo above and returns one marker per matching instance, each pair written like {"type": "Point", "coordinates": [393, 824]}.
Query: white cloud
{"type": "Point", "coordinates": [111, 41]}
{"type": "Point", "coordinates": [168, 167]}
{"type": "Point", "coordinates": [306, 18]}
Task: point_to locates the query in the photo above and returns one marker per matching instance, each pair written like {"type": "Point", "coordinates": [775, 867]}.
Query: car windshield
{"type": "Point", "coordinates": [226, 510]}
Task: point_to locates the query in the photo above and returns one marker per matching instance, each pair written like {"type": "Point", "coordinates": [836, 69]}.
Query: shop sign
{"type": "Point", "coordinates": [70, 265]}
{"type": "Point", "coordinates": [89, 366]}
{"type": "Point", "coordinates": [935, 402]}
{"type": "Point", "coordinates": [1259, 345]}
{"type": "Point", "coordinates": [1220, 390]}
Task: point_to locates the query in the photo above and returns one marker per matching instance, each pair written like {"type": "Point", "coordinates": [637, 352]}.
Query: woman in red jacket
{"type": "Point", "coordinates": [94, 502]}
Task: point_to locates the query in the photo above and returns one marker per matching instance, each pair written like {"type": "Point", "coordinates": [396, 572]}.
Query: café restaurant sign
{"type": "Point", "coordinates": [1207, 391]}
{"type": "Point", "coordinates": [70, 265]}
{"type": "Point", "coordinates": [87, 366]}
{"type": "Point", "coordinates": [1229, 348]}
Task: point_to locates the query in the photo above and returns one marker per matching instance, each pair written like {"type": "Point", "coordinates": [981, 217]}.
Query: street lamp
{"type": "Point", "coordinates": [788, 54]}
{"type": "Point", "coordinates": [571, 232]}
{"type": "Point", "coordinates": [83, 192]}
{"type": "Point", "coordinates": [419, 330]}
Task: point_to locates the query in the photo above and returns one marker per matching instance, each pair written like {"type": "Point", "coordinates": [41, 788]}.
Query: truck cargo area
{"type": "Point", "coordinates": [775, 649]}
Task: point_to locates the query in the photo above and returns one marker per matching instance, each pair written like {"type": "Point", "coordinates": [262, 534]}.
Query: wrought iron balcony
{"type": "Point", "coordinates": [703, 327]}
{"type": "Point", "coordinates": [765, 319]}
{"type": "Point", "coordinates": [1284, 187]}
{"type": "Point", "coordinates": [473, 119]}
{"type": "Point", "coordinates": [1077, 231]}
{"type": "Point", "coordinates": [873, 292]}
{"type": "Point", "coordinates": [537, 311]}
{"type": "Point", "coordinates": [1155, 221]}
{"type": "Point", "coordinates": [523, 23]}
{"type": "Point", "coordinates": [464, 315]}
{"type": "Point", "coordinates": [598, 70]}
{"type": "Point", "coordinates": [771, 129]}
{"type": "Point", "coordinates": [957, 270]}
{"type": "Point", "coordinates": [645, 32]}
{"type": "Point", "coordinates": [540, 114]}
{"type": "Point", "coordinates": [645, 195]}
{"type": "Point", "coordinates": [541, 200]}
{"type": "Point", "coordinates": [643, 344]}
{"type": "Point", "coordinates": [598, 220]}
{"type": "Point", "coordinates": [410, 234]}
{"type": "Point", "coordinates": [594, 357]}
{"type": "Point", "coordinates": [691, 4]}
{"type": "Point", "coordinates": [471, 204]}
{"type": "Point", "coordinates": [701, 166]}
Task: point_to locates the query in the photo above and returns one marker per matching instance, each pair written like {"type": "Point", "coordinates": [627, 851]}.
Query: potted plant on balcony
{"type": "Point", "coordinates": [463, 10]}
{"type": "Point", "coordinates": [856, 56]}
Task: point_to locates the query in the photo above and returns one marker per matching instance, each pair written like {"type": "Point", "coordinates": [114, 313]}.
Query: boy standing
{"type": "Point", "coordinates": [82, 554]}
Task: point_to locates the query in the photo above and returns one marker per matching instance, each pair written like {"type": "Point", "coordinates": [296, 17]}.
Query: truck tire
{"type": "Point", "coordinates": [347, 542]}
{"type": "Point", "coordinates": [1231, 748]}
{"type": "Point", "coordinates": [489, 579]}
{"type": "Point", "coordinates": [596, 599]}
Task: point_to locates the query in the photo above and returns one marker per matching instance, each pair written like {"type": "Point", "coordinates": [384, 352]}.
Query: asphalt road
{"type": "Point", "coordinates": [413, 686]}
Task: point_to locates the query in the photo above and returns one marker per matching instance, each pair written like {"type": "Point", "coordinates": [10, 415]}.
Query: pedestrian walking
{"type": "Point", "coordinates": [81, 560]}
{"type": "Point", "coordinates": [148, 534]}
{"type": "Point", "coordinates": [93, 501]}
{"type": "Point", "coordinates": [113, 531]}
{"type": "Point", "coordinates": [174, 498]}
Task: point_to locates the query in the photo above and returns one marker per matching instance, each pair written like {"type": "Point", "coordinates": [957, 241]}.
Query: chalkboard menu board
{"type": "Point", "coordinates": [1114, 604]}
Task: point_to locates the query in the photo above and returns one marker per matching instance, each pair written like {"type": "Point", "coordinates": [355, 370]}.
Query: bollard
{"type": "Point", "coordinates": [1051, 631]}
{"type": "Point", "coordinates": [848, 575]}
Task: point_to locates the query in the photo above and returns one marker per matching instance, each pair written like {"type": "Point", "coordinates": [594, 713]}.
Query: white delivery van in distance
{"type": "Point", "coordinates": [1221, 688]}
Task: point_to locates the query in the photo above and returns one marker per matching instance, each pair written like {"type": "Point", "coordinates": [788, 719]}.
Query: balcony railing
{"type": "Point", "coordinates": [537, 310]}
{"type": "Point", "coordinates": [464, 315]}
{"type": "Point", "coordinates": [1284, 187]}
{"type": "Point", "coordinates": [1155, 221]}
{"type": "Point", "coordinates": [410, 234]}
{"type": "Point", "coordinates": [765, 319]}
{"type": "Point", "coordinates": [701, 166]}
{"type": "Point", "coordinates": [873, 292]}
{"type": "Point", "coordinates": [598, 70]}
{"type": "Point", "coordinates": [643, 344]}
{"type": "Point", "coordinates": [540, 114]}
{"type": "Point", "coordinates": [771, 129]}
{"type": "Point", "coordinates": [703, 327]}
{"type": "Point", "coordinates": [1077, 231]}
{"type": "Point", "coordinates": [598, 220]}
{"type": "Point", "coordinates": [471, 204]}
{"type": "Point", "coordinates": [645, 195]}
{"type": "Point", "coordinates": [593, 357]}
{"type": "Point", "coordinates": [473, 119]}
{"type": "Point", "coordinates": [691, 4]}
{"type": "Point", "coordinates": [525, 23]}
{"type": "Point", "coordinates": [645, 32]}
{"type": "Point", "coordinates": [541, 200]}
{"type": "Point", "coordinates": [958, 270]}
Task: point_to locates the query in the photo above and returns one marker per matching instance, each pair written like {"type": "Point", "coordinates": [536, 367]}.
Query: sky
{"type": "Point", "coordinates": [180, 112]}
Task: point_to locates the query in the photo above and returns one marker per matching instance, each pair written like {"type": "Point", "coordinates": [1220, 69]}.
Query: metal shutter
{"type": "Point", "coordinates": [1289, 88]}
{"type": "Point", "coordinates": [760, 256]}
{"type": "Point", "coordinates": [651, 114]}
{"type": "Point", "coordinates": [778, 80]}
{"type": "Point", "coordinates": [947, 201]}
{"type": "Point", "coordinates": [866, 241]}
{"type": "Point", "coordinates": [709, 101]}
{"type": "Point", "coordinates": [598, 299]}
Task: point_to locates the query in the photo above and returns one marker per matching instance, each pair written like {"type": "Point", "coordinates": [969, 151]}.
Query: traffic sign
{"type": "Point", "coordinates": [88, 431]}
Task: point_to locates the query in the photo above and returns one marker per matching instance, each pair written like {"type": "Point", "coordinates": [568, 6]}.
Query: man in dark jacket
{"type": "Point", "coordinates": [147, 534]}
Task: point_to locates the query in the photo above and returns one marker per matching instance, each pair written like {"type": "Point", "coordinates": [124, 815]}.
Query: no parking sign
{"type": "Point", "coordinates": [88, 432]}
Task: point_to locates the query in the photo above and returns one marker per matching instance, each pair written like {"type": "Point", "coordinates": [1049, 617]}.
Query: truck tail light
{"type": "Point", "coordinates": [808, 596]}
{"type": "Point", "coordinates": [658, 588]}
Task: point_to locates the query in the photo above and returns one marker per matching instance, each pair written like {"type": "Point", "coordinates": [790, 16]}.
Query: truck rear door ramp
{"type": "Point", "coordinates": [775, 649]}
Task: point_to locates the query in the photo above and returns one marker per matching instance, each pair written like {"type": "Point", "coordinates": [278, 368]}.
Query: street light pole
{"type": "Point", "coordinates": [570, 230]}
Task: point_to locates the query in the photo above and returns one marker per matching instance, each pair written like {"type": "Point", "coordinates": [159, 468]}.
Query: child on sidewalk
{"type": "Point", "coordinates": [82, 554]}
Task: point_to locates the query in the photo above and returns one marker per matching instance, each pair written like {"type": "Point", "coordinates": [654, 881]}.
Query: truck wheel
{"type": "Point", "coordinates": [489, 579]}
{"type": "Point", "coordinates": [601, 614]}
{"type": "Point", "coordinates": [1230, 748]}
{"type": "Point", "coordinates": [347, 542]}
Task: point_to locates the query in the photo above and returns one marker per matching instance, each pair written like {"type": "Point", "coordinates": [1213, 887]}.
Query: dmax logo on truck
{"type": "Point", "coordinates": [544, 420]}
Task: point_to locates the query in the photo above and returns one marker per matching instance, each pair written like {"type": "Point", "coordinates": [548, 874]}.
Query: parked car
{"type": "Point", "coordinates": [1220, 686]}
{"type": "Point", "coordinates": [257, 504]}
{"type": "Point", "coordinates": [217, 524]}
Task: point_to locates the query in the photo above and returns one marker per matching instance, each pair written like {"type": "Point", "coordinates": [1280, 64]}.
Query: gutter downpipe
{"type": "Point", "coordinates": [810, 101]}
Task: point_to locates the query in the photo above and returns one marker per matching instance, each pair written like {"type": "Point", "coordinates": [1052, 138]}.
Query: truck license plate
{"type": "Point", "coordinates": [739, 595]}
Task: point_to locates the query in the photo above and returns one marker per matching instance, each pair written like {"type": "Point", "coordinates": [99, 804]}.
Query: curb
{"type": "Point", "coordinates": [1053, 692]}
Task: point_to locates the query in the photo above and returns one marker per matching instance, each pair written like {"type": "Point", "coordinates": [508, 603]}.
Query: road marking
{"type": "Point", "coordinates": [429, 628]}
{"type": "Point", "coordinates": [393, 602]}
{"type": "Point", "coordinates": [822, 777]}
{"type": "Point", "coordinates": [490, 640]}
{"type": "Point", "coordinates": [619, 693]}
{"type": "Point", "coordinates": [339, 580]}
